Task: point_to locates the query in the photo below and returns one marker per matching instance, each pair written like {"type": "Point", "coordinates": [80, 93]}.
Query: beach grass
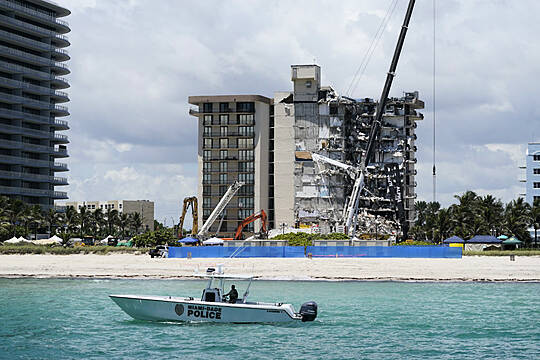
{"type": "Point", "coordinates": [60, 250]}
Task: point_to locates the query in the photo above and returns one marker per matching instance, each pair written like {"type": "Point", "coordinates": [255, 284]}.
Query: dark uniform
{"type": "Point", "coordinates": [233, 295]}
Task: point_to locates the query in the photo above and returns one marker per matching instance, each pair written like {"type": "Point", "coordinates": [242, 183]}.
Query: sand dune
{"type": "Point", "coordinates": [142, 266]}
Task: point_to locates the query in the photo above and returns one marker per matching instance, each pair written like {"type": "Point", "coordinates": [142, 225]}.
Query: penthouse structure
{"type": "Point", "coordinates": [287, 183]}
{"type": "Point", "coordinates": [32, 56]}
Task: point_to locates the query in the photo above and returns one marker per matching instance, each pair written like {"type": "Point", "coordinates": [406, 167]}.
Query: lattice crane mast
{"type": "Point", "coordinates": [223, 202]}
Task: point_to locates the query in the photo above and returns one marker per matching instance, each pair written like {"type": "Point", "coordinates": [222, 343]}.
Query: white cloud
{"type": "Point", "coordinates": [134, 63]}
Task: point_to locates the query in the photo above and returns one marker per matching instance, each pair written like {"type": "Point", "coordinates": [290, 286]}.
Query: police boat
{"type": "Point", "coordinates": [213, 306]}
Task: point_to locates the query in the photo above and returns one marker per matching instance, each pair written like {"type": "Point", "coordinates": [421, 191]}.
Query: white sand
{"type": "Point", "coordinates": [142, 266]}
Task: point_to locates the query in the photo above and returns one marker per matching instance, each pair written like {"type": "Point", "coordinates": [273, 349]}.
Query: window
{"type": "Point", "coordinates": [223, 154]}
{"type": "Point", "coordinates": [245, 143]}
{"type": "Point", "coordinates": [223, 143]}
{"type": "Point", "coordinates": [245, 155]}
{"type": "Point", "coordinates": [223, 178]}
{"type": "Point", "coordinates": [223, 167]}
{"type": "Point", "coordinates": [206, 213]}
{"type": "Point", "coordinates": [246, 190]}
{"type": "Point", "coordinates": [207, 144]}
{"type": "Point", "coordinates": [246, 203]}
{"type": "Point", "coordinates": [308, 84]}
{"type": "Point", "coordinates": [535, 199]}
{"type": "Point", "coordinates": [245, 166]}
{"type": "Point", "coordinates": [222, 189]}
{"type": "Point", "coordinates": [207, 120]}
{"type": "Point", "coordinates": [246, 119]}
{"type": "Point", "coordinates": [207, 202]}
{"type": "Point", "coordinates": [223, 131]}
{"type": "Point", "coordinates": [536, 171]}
{"type": "Point", "coordinates": [207, 131]}
{"type": "Point", "coordinates": [207, 154]}
{"type": "Point", "coordinates": [207, 166]}
{"type": "Point", "coordinates": [224, 119]}
{"type": "Point", "coordinates": [245, 107]}
{"type": "Point", "coordinates": [245, 131]}
{"type": "Point", "coordinates": [536, 185]}
{"type": "Point", "coordinates": [246, 177]}
{"type": "Point", "coordinates": [536, 157]}
{"type": "Point", "coordinates": [243, 213]}
{"type": "Point", "coordinates": [224, 107]}
{"type": "Point", "coordinates": [207, 178]}
{"type": "Point", "coordinates": [207, 107]}
{"type": "Point", "coordinates": [207, 190]}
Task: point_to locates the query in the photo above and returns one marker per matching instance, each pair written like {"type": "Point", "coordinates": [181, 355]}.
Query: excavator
{"type": "Point", "coordinates": [264, 227]}
{"type": "Point", "coordinates": [193, 203]}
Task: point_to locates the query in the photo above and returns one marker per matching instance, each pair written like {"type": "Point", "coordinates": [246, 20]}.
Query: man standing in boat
{"type": "Point", "coordinates": [233, 295]}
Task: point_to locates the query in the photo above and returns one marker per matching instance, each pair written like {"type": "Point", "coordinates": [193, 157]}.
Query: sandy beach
{"type": "Point", "coordinates": [472, 268]}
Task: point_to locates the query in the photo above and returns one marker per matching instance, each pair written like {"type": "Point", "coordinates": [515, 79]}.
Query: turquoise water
{"type": "Point", "coordinates": [65, 319]}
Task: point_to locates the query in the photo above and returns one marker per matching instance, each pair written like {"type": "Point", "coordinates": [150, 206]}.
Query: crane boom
{"type": "Point", "coordinates": [227, 197]}
{"type": "Point", "coordinates": [358, 173]}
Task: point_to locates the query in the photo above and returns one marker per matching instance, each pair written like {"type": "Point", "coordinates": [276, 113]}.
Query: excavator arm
{"type": "Point", "coordinates": [193, 203]}
{"type": "Point", "coordinates": [260, 215]}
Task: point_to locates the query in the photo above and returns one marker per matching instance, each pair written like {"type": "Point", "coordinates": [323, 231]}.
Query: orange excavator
{"type": "Point", "coordinates": [264, 228]}
{"type": "Point", "coordinates": [189, 201]}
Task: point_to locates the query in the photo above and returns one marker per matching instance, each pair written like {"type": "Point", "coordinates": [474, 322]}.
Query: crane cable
{"type": "Point", "coordinates": [433, 99]}
{"type": "Point", "coordinates": [373, 45]}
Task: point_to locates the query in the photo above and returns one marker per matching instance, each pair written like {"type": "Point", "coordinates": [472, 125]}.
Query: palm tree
{"type": "Point", "coordinates": [111, 219]}
{"type": "Point", "coordinates": [84, 219]}
{"type": "Point", "coordinates": [516, 219]}
{"type": "Point", "coordinates": [535, 219]}
{"type": "Point", "coordinates": [136, 222]}
{"type": "Point", "coordinates": [123, 222]}
{"type": "Point", "coordinates": [491, 212]}
{"type": "Point", "coordinates": [35, 217]}
{"type": "Point", "coordinates": [98, 222]}
{"type": "Point", "coordinates": [71, 219]}
{"type": "Point", "coordinates": [51, 219]}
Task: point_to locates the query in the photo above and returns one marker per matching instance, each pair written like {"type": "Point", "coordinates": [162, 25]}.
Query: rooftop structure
{"type": "Point", "coordinates": [32, 57]}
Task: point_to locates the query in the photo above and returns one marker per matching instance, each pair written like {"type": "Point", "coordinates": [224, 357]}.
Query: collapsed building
{"type": "Point", "coordinates": [268, 145]}
{"type": "Point", "coordinates": [315, 119]}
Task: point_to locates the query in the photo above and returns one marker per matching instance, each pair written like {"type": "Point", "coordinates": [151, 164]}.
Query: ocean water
{"type": "Point", "coordinates": [67, 319]}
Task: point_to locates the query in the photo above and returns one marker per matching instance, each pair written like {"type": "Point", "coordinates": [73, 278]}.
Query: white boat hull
{"type": "Point", "coordinates": [166, 308]}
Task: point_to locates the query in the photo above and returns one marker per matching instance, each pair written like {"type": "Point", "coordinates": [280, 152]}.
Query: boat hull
{"type": "Point", "coordinates": [164, 308]}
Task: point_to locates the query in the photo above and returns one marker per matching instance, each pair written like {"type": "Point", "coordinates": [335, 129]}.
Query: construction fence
{"type": "Point", "coordinates": [316, 252]}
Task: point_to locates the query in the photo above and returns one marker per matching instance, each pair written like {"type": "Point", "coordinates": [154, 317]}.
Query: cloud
{"type": "Point", "coordinates": [134, 64]}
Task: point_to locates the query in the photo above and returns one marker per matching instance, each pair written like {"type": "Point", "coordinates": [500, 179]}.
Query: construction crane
{"type": "Point", "coordinates": [189, 202]}
{"type": "Point", "coordinates": [264, 227]}
{"type": "Point", "coordinates": [357, 174]}
{"type": "Point", "coordinates": [350, 213]}
{"type": "Point", "coordinates": [227, 197]}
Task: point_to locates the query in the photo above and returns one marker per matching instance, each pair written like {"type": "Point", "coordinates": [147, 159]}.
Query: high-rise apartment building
{"type": "Point", "coordinates": [232, 145]}
{"type": "Point", "coordinates": [533, 173]}
{"type": "Point", "coordinates": [288, 184]}
{"type": "Point", "coordinates": [32, 57]}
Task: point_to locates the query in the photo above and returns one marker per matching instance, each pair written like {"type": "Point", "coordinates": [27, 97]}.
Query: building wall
{"type": "Point", "coordinates": [31, 78]}
{"type": "Point", "coordinates": [245, 138]}
{"type": "Point", "coordinates": [533, 163]}
{"type": "Point", "coordinates": [144, 207]}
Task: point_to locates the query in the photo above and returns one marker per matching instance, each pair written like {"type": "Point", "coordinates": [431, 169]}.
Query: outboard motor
{"type": "Point", "coordinates": [308, 311]}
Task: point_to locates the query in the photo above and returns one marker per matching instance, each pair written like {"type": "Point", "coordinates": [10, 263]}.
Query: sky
{"type": "Point", "coordinates": [135, 62]}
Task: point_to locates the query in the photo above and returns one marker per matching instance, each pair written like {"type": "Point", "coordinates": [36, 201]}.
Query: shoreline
{"type": "Point", "coordinates": [471, 269]}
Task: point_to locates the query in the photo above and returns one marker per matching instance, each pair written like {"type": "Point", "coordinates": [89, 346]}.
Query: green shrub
{"type": "Point", "coordinates": [60, 250]}
{"type": "Point", "coordinates": [305, 239]}
{"type": "Point", "coordinates": [153, 238]}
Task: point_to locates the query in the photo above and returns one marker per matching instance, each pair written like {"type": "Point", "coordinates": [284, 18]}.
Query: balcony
{"type": "Point", "coordinates": [57, 152]}
{"type": "Point", "coordinates": [35, 104]}
{"type": "Point", "coordinates": [33, 59]}
{"type": "Point", "coordinates": [24, 26]}
{"type": "Point", "coordinates": [33, 177]}
{"type": "Point", "coordinates": [228, 170]}
{"type": "Point", "coordinates": [59, 166]}
{"type": "Point", "coordinates": [41, 15]}
{"type": "Point", "coordinates": [30, 43]}
{"type": "Point", "coordinates": [225, 182]}
{"type": "Point", "coordinates": [26, 161]}
{"type": "Point", "coordinates": [60, 96]}
{"type": "Point", "coordinates": [61, 139]}
{"type": "Point", "coordinates": [229, 134]}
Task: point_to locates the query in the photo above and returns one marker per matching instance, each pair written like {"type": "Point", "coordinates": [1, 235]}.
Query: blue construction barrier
{"type": "Point", "coordinates": [316, 251]}
{"type": "Point", "coordinates": [242, 252]}
{"type": "Point", "coordinates": [385, 251]}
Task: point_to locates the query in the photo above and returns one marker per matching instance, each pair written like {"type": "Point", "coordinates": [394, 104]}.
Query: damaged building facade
{"type": "Point", "coordinates": [314, 119]}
